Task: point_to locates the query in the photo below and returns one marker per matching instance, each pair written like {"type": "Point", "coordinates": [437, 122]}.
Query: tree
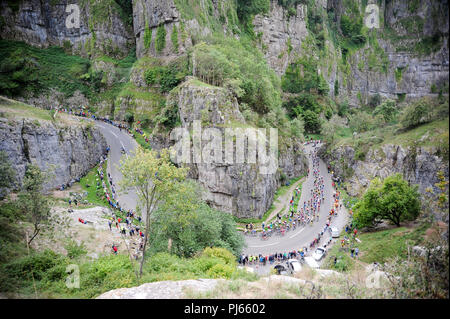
{"type": "Point", "coordinates": [387, 109]}
{"type": "Point", "coordinates": [154, 177]}
{"type": "Point", "coordinates": [33, 203]}
{"type": "Point", "coordinates": [312, 121]}
{"type": "Point", "coordinates": [190, 225]}
{"type": "Point", "coordinates": [392, 199]}
{"type": "Point", "coordinates": [7, 174]}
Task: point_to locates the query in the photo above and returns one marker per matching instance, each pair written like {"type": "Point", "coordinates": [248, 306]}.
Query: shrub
{"type": "Point", "coordinates": [147, 36]}
{"type": "Point", "coordinates": [38, 263]}
{"type": "Point", "coordinates": [221, 271]}
{"type": "Point", "coordinates": [312, 121]}
{"type": "Point", "coordinates": [174, 38]}
{"type": "Point", "coordinates": [388, 110]}
{"type": "Point", "coordinates": [361, 122]}
{"type": "Point", "coordinates": [375, 100]}
{"type": "Point", "coordinates": [416, 114]}
{"type": "Point", "coordinates": [74, 250]}
{"type": "Point", "coordinates": [220, 253]}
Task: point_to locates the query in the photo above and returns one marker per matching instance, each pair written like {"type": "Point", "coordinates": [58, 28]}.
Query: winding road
{"type": "Point", "coordinates": [117, 139]}
{"type": "Point", "coordinates": [292, 240]}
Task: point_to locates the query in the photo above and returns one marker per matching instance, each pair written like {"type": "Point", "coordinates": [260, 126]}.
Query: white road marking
{"type": "Point", "coordinates": [297, 233]}
{"type": "Point", "coordinates": [263, 245]}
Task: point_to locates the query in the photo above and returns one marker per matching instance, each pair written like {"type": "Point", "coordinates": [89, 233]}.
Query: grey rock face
{"type": "Point", "coordinates": [43, 23]}
{"type": "Point", "coordinates": [418, 166]}
{"type": "Point", "coordinates": [238, 188]}
{"type": "Point", "coordinates": [70, 150]}
{"type": "Point", "coordinates": [162, 289]}
{"type": "Point", "coordinates": [277, 31]}
{"type": "Point", "coordinates": [416, 71]}
{"type": "Point", "coordinates": [156, 13]}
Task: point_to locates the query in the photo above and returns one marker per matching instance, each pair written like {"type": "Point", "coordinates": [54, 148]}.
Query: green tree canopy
{"type": "Point", "coordinates": [154, 177]}
{"type": "Point", "coordinates": [191, 225]}
{"type": "Point", "coordinates": [391, 199]}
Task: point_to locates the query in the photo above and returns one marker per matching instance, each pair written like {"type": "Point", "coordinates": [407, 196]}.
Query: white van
{"type": "Point", "coordinates": [334, 232]}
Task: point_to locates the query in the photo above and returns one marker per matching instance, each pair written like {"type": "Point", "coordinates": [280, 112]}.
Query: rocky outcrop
{"type": "Point", "coordinates": [151, 15]}
{"type": "Point", "coordinates": [419, 165]}
{"type": "Point", "coordinates": [68, 151]}
{"type": "Point", "coordinates": [281, 34]}
{"type": "Point", "coordinates": [238, 188]}
{"type": "Point", "coordinates": [43, 23]}
{"type": "Point", "coordinates": [162, 289]}
{"type": "Point", "coordinates": [413, 45]}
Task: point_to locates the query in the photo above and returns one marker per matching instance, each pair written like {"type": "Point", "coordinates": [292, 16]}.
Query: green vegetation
{"type": "Point", "coordinates": [29, 70]}
{"type": "Point", "coordinates": [167, 76]}
{"type": "Point", "coordinates": [423, 111]}
{"type": "Point", "coordinates": [92, 185]}
{"type": "Point", "coordinates": [147, 36]}
{"type": "Point", "coordinates": [33, 204]}
{"type": "Point", "coordinates": [241, 67]}
{"type": "Point", "coordinates": [379, 246]}
{"type": "Point", "coordinates": [11, 109]}
{"type": "Point", "coordinates": [302, 76]}
{"type": "Point", "coordinates": [202, 226]}
{"type": "Point", "coordinates": [160, 41]}
{"type": "Point", "coordinates": [174, 38]}
{"type": "Point", "coordinates": [110, 272]}
{"type": "Point", "coordinates": [391, 199]}
{"type": "Point", "coordinates": [247, 9]}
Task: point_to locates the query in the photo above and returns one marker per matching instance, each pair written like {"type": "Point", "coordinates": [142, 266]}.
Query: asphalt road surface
{"type": "Point", "coordinates": [117, 139]}
{"type": "Point", "coordinates": [304, 235]}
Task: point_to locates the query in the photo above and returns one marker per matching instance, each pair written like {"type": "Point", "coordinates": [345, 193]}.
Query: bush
{"type": "Point", "coordinates": [221, 271]}
{"type": "Point", "coordinates": [160, 41]}
{"type": "Point", "coordinates": [361, 122]}
{"type": "Point", "coordinates": [37, 263]}
{"type": "Point", "coordinates": [312, 122]}
{"type": "Point", "coordinates": [74, 250]}
{"type": "Point", "coordinates": [220, 253]}
{"type": "Point", "coordinates": [416, 114]}
{"type": "Point", "coordinates": [388, 110]}
{"type": "Point", "coordinates": [374, 100]}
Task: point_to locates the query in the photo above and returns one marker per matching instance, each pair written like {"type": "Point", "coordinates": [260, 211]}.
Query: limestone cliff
{"type": "Point", "coordinates": [419, 165]}
{"type": "Point", "coordinates": [238, 188]}
{"type": "Point", "coordinates": [69, 150]}
{"type": "Point", "coordinates": [43, 23]}
{"type": "Point", "coordinates": [406, 58]}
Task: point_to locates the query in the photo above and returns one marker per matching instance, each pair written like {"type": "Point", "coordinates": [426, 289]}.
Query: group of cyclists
{"type": "Point", "coordinates": [306, 214]}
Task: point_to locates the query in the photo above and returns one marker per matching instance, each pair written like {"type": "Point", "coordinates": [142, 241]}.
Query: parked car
{"type": "Point", "coordinates": [334, 232]}
{"type": "Point", "coordinates": [319, 253]}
